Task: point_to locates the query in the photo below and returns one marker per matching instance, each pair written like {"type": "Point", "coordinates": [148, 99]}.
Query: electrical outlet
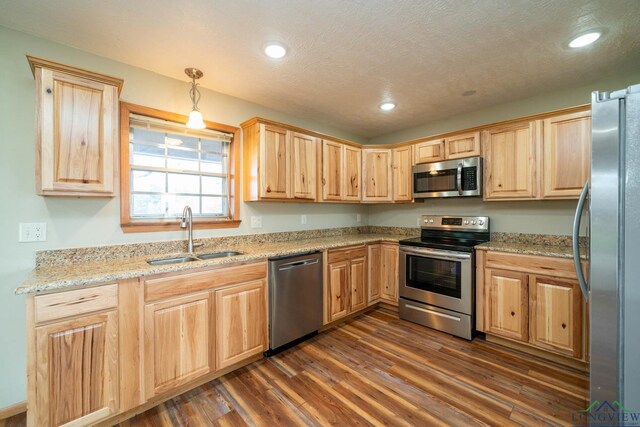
{"type": "Point", "coordinates": [256, 222]}
{"type": "Point", "coordinates": [358, 218]}
{"type": "Point", "coordinates": [303, 219]}
{"type": "Point", "coordinates": [32, 232]}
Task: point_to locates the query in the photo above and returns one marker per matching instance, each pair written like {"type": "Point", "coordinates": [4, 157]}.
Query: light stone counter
{"type": "Point", "coordinates": [76, 268]}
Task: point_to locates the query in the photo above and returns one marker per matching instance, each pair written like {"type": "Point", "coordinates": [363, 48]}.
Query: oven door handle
{"type": "Point", "coordinates": [431, 253]}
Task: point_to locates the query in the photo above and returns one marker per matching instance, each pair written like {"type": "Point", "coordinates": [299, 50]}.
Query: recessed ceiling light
{"type": "Point", "coordinates": [387, 106]}
{"type": "Point", "coordinates": [584, 40]}
{"type": "Point", "coordinates": [275, 50]}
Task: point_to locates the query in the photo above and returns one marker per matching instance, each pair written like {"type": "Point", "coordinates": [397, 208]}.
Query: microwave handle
{"type": "Point", "coordinates": [459, 179]}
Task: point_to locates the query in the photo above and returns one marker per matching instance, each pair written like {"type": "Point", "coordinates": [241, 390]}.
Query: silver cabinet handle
{"type": "Point", "coordinates": [576, 241]}
{"type": "Point", "coordinates": [459, 179]}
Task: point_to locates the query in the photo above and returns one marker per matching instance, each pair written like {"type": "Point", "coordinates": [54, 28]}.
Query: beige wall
{"type": "Point", "coordinates": [90, 222]}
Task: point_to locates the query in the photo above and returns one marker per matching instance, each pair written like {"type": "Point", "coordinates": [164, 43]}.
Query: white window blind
{"type": "Point", "coordinates": [172, 166]}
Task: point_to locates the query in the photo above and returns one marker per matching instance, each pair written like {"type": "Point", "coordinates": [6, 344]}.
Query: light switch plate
{"type": "Point", "coordinates": [32, 232]}
{"type": "Point", "coordinates": [256, 222]}
{"type": "Point", "coordinates": [358, 218]}
{"type": "Point", "coordinates": [303, 219]}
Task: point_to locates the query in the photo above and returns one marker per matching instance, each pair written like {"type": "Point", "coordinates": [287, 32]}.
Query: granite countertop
{"type": "Point", "coordinates": [533, 244]}
{"type": "Point", "coordinates": [68, 275]}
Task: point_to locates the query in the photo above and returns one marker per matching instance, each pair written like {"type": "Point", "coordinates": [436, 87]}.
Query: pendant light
{"type": "Point", "coordinates": [195, 116]}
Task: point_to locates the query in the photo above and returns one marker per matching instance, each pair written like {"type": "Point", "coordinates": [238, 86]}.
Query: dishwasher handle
{"type": "Point", "coordinates": [295, 264]}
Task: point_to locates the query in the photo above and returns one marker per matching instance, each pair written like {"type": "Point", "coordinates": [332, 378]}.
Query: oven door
{"type": "Point", "coordinates": [452, 178]}
{"type": "Point", "coordinates": [437, 277]}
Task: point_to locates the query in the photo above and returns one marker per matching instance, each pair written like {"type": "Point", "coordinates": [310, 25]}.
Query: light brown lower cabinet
{"type": "Point", "coordinates": [76, 370]}
{"type": "Point", "coordinates": [95, 353]}
{"type": "Point", "coordinates": [241, 322]}
{"type": "Point", "coordinates": [346, 283]}
{"type": "Point", "coordinates": [389, 273]}
{"type": "Point", "coordinates": [383, 273]}
{"type": "Point", "coordinates": [177, 342]}
{"type": "Point", "coordinates": [533, 300]}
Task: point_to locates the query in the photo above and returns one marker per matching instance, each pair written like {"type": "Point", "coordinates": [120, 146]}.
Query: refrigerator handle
{"type": "Point", "coordinates": [576, 241]}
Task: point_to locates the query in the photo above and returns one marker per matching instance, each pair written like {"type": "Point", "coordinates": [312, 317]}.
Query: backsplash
{"type": "Point", "coordinates": [111, 252]}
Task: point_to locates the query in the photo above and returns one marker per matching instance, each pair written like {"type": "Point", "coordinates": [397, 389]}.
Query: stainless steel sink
{"type": "Point", "coordinates": [219, 255]}
{"type": "Point", "coordinates": [175, 260]}
{"type": "Point", "coordinates": [192, 258]}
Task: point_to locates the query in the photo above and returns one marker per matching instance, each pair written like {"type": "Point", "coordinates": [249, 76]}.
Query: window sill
{"type": "Point", "coordinates": [151, 226]}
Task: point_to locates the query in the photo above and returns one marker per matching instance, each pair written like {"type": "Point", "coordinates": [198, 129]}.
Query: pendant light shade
{"type": "Point", "coordinates": [195, 120]}
{"type": "Point", "coordinates": [195, 116]}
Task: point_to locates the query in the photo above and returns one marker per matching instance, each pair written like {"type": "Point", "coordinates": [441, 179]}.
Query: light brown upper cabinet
{"type": "Point", "coordinates": [451, 147]}
{"type": "Point", "coordinates": [76, 130]}
{"type": "Point", "coordinates": [428, 151]}
{"type": "Point", "coordinates": [279, 164]}
{"type": "Point", "coordinates": [461, 146]}
{"type": "Point", "coordinates": [566, 155]}
{"type": "Point", "coordinates": [332, 170]}
{"type": "Point", "coordinates": [304, 165]}
{"type": "Point", "coordinates": [341, 171]}
{"type": "Point", "coordinates": [402, 176]}
{"type": "Point", "coordinates": [510, 161]}
{"type": "Point", "coordinates": [377, 175]}
{"type": "Point", "coordinates": [353, 173]}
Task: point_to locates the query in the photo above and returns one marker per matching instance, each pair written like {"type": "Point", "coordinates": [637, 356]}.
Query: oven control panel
{"type": "Point", "coordinates": [454, 222]}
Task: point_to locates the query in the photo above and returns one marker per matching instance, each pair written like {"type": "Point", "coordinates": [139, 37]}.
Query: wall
{"type": "Point", "coordinates": [89, 222]}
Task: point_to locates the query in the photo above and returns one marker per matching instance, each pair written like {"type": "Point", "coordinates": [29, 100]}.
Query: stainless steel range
{"type": "Point", "coordinates": [437, 273]}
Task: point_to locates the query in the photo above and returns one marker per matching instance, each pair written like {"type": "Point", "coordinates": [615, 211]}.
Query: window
{"type": "Point", "coordinates": [166, 166]}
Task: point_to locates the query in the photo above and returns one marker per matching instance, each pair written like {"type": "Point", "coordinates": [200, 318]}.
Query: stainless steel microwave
{"type": "Point", "coordinates": [451, 178]}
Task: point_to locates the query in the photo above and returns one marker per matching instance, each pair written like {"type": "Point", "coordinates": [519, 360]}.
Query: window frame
{"type": "Point", "coordinates": [135, 225]}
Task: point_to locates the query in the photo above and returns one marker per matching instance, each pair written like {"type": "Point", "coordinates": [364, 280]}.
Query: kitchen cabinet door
{"type": "Point", "coordinates": [389, 285]}
{"type": "Point", "coordinates": [241, 322]}
{"type": "Point", "coordinates": [507, 305]}
{"type": "Point", "coordinates": [338, 290]}
{"type": "Point", "coordinates": [177, 342]}
{"type": "Point", "coordinates": [566, 151]}
{"type": "Point", "coordinates": [358, 283]}
{"type": "Point", "coordinates": [556, 315]}
{"type": "Point", "coordinates": [377, 175]}
{"type": "Point", "coordinates": [77, 370]}
{"type": "Point", "coordinates": [275, 162]}
{"type": "Point", "coordinates": [332, 170]}
{"type": "Point", "coordinates": [463, 145]}
{"type": "Point", "coordinates": [402, 176]}
{"type": "Point", "coordinates": [428, 151]}
{"type": "Point", "coordinates": [77, 132]}
{"type": "Point", "coordinates": [374, 257]}
{"type": "Point", "coordinates": [510, 161]}
{"type": "Point", "coordinates": [304, 164]}
{"type": "Point", "coordinates": [352, 173]}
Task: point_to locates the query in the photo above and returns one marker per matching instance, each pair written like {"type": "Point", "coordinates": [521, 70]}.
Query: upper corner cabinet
{"type": "Point", "coordinates": [76, 130]}
{"type": "Point", "coordinates": [279, 163]}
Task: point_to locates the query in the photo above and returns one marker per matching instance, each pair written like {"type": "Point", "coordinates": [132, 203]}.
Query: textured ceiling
{"type": "Point", "coordinates": [347, 56]}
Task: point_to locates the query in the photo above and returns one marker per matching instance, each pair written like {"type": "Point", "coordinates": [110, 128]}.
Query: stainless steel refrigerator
{"type": "Point", "coordinates": [612, 285]}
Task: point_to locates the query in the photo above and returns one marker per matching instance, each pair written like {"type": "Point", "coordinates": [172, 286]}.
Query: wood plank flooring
{"type": "Point", "coordinates": [379, 370]}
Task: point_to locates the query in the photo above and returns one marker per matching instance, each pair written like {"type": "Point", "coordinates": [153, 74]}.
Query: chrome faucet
{"type": "Point", "coordinates": [187, 222]}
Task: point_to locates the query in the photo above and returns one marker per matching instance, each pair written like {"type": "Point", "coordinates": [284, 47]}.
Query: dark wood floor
{"type": "Point", "coordinates": [379, 370]}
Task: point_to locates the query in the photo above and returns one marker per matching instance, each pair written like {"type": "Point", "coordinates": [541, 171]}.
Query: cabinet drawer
{"type": "Point", "coordinates": [549, 266]}
{"type": "Point", "coordinates": [173, 285]}
{"type": "Point", "coordinates": [74, 303]}
{"type": "Point", "coordinates": [337, 255]}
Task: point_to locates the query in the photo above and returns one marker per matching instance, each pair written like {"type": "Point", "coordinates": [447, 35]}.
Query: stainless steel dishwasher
{"type": "Point", "coordinates": [295, 299]}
